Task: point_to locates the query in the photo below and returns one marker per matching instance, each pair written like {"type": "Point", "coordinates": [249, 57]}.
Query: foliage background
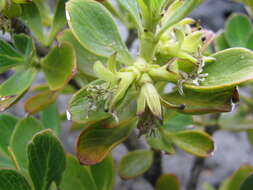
{"type": "Point", "coordinates": [232, 150]}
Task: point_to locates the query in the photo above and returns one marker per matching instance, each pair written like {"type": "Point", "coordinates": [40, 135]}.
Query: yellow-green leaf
{"type": "Point", "coordinates": [168, 182]}
{"type": "Point", "coordinates": [96, 142]}
{"type": "Point", "coordinates": [232, 67]}
{"type": "Point", "coordinates": [135, 163]}
{"type": "Point", "coordinates": [101, 36]}
{"type": "Point", "coordinates": [59, 66]}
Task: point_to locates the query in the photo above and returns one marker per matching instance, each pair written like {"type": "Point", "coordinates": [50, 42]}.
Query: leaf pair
{"type": "Point", "coordinates": [59, 67]}
{"type": "Point", "coordinates": [46, 164]}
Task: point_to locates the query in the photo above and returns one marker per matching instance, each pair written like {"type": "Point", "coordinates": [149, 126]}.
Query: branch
{"type": "Point", "coordinates": [199, 163]}
{"type": "Point", "coordinates": [19, 27]}
{"type": "Point", "coordinates": [132, 35]}
{"type": "Point", "coordinates": [155, 171]}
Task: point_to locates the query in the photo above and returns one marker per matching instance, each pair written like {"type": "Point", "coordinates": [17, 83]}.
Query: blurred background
{"type": "Point", "coordinates": [232, 148]}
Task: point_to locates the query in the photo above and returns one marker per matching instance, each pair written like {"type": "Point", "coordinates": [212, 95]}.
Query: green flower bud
{"type": "Point", "coordinates": [2, 4]}
{"type": "Point", "coordinates": [126, 80]}
{"type": "Point", "coordinates": [103, 73]}
{"type": "Point", "coordinates": [151, 97]}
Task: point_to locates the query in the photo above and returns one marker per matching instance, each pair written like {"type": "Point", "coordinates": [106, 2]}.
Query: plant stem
{"type": "Point", "coordinates": [148, 46]}
{"type": "Point", "coordinates": [132, 35]}
{"type": "Point", "coordinates": [199, 163]}
{"type": "Point", "coordinates": [155, 171]}
{"type": "Point", "coordinates": [13, 158]}
{"type": "Point", "coordinates": [18, 27]}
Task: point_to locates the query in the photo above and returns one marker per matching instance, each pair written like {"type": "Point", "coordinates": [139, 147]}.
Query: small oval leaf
{"type": "Point", "coordinates": [194, 142]}
{"type": "Point", "coordinates": [135, 163]}
{"type": "Point", "coordinates": [77, 176]}
{"type": "Point", "coordinates": [96, 142]}
{"type": "Point", "coordinates": [102, 36]}
{"type": "Point", "coordinates": [23, 133]}
{"type": "Point", "coordinates": [59, 66]}
{"type": "Point", "coordinates": [238, 30]}
{"type": "Point", "coordinates": [167, 182]}
{"type": "Point", "coordinates": [46, 160]}
{"type": "Point", "coordinates": [231, 68]}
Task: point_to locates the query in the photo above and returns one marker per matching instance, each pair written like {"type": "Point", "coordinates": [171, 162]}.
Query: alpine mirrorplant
{"type": "Point", "coordinates": [172, 50]}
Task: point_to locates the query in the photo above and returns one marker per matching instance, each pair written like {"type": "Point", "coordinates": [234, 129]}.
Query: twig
{"type": "Point", "coordinates": [155, 171]}
{"type": "Point", "coordinates": [199, 163]}
{"type": "Point", "coordinates": [19, 27]}
{"type": "Point", "coordinates": [132, 35]}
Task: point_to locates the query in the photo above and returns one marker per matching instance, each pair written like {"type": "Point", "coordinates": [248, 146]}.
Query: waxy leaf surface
{"type": "Point", "coordinates": [135, 163]}
{"type": "Point", "coordinates": [96, 142]}
{"type": "Point", "coordinates": [46, 160]}
{"type": "Point", "coordinates": [12, 180]}
{"type": "Point", "coordinates": [93, 26]}
{"type": "Point", "coordinates": [232, 67]}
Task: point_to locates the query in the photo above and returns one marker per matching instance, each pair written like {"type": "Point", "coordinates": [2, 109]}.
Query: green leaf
{"type": "Point", "coordinates": [174, 122]}
{"type": "Point", "coordinates": [24, 44]}
{"type": "Point", "coordinates": [77, 176]}
{"type": "Point", "coordinates": [167, 182]}
{"type": "Point", "coordinates": [44, 10]}
{"type": "Point", "coordinates": [7, 49]}
{"type": "Point", "coordinates": [193, 142]}
{"type": "Point", "coordinates": [15, 87]}
{"type": "Point", "coordinates": [248, 183]}
{"type": "Point", "coordinates": [79, 107]}
{"type": "Point", "coordinates": [250, 41]}
{"type": "Point", "coordinates": [239, 177]}
{"type": "Point", "coordinates": [5, 161]}
{"type": "Point", "coordinates": [46, 160]}
{"type": "Point", "coordinates": [12, 180]}
{"type": "Point", "coordinates": [7, 125]}
{"type": "Point", "coordinates": [135, 163]}
{"type": "Point", "coordinates": [23, 133]}
{"type": "Point", "coordinates": [201, 103]}
{"type": "Point", "coordinates": [159, 142]}
{"type": "Point", "coordinates": [102, 36]}
{"type": "Point", "coordinates": [50, 118]}
{"type": "Point", "coordinates": [17, 83]}
{"type": "Point", "coordinates": [13, 10]}
{"type": "Point", "coordinates": [2, 4]}
{"type": "Point", "coordinates": [235, 123]}
{"type": "Point", "coordinates": [96, 142]}
{"type": "Point", "coordinates": [9, 56]}
{"type": "Point", "coordinates": [31, 17]}
{"type": "Point", "coordinates": [40, 101]}
{"type": "Point", "coordinates": [178, 15]}
{"type": "Point", "coordinates": [104, 174]}
{"type": "Point", "coordinates": [59, 20]}
{"type": "Point", "coordinates": [59, 66]}
{"type": "Point", "coordinates": [231, 68]}
{"type": "Point", "coordinates": [221, 42]}
{"type": "Point", "coordinates": [85, 58]}
{"type": "Point", "coordinates": [132, 7]}
{"type": "Point", "coordinates": [238, 30]}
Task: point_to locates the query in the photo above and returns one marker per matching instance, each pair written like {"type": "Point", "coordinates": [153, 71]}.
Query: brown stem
{"type": "Point", "coordinates": [132, 35]}
{"type": "Point", "coordinates": [155, 171]}
{"type": "Point", "coordinates": [199, 163]}
{"type": "Point", "coordinates": [134, 143]}
{"type": "Point", "coordinates": [19, 27]}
